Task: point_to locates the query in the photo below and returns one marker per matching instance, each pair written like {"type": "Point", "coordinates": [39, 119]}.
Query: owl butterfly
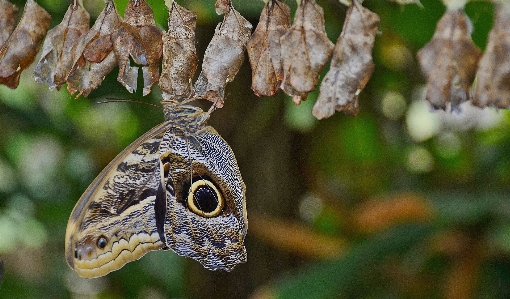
{"type": "Point", "coordinates": [176, 187]}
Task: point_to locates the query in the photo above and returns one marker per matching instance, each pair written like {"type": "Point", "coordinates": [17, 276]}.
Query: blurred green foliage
{"type": "Point", "coordinates": [52, 146]}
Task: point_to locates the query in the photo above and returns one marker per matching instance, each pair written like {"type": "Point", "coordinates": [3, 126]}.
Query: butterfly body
{"type": "Point", "coordinates": [177, 186]}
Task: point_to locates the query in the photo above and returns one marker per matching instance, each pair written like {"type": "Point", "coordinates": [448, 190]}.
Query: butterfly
{"type": "Point", "coordinates": [177, 187]}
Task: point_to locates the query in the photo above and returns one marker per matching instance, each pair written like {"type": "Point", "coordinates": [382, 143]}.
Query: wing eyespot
{"type": "Point", "coordinates": [204, 199]}
{"type": "Point", "coordinates": [101, 242]}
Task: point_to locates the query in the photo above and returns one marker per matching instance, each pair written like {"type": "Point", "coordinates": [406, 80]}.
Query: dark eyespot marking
{"type": "Point", "coordinates": [101, 242]}
{"type": "Point", "coordinates": [205, 199]}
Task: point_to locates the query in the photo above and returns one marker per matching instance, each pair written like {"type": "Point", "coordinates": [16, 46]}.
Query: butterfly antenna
{"type": "Point", "coordinates": [115, 100]}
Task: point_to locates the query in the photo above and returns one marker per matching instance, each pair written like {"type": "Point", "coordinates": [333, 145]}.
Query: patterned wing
{"type": "Point", "coordinates": [117, 218]}
{"type": "Point", "coordinates": [206, 208]}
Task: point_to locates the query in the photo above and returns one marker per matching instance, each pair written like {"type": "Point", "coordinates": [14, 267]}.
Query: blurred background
{"type": "Point", "coordinates": [397, 202]}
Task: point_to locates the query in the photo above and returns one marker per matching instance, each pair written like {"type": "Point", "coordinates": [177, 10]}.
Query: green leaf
{"type": "Point", "coordinates": [326, 280]}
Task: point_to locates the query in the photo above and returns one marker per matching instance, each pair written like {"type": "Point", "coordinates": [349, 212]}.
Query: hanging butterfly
{"type": "Point", "coordinates": [176, 187]}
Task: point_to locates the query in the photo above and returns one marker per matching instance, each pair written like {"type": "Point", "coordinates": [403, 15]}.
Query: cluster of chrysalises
{"type": "Point", "coordinates": [451, 61]}
{"type": "Point", "coordinates": [283, 54]}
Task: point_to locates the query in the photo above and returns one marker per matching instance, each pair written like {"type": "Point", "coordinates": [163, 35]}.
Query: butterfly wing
{"type": "Point", "coordinates": [120, 216]}
{"type": "Point", "coordinates": [206, 208]}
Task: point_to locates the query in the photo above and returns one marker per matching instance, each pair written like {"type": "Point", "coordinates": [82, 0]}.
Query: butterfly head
{"type": "Point", "coordinates": [184, 113]}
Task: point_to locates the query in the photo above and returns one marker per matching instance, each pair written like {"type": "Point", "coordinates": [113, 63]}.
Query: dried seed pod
{"type": "Point", "coordinates": [493, 76]}
{"type": "Point", "coordinates": [449, 61]}
{"type": "Point", "coordinates": [179, 54]}
{"type": "Point", "coordinates": [58, 53]}
{"type": "Point", "coordinates": [8, 18]}
{"type": "Point", "coordinates": [94, 56]}
{"type": "Point", "coordinates": [305, 50]}
{"type": "Point", "coordinates": [138, 37]}
{"type": "Point", "coordinates": [224, 54]}
{"type": "Point", "coordinates": [22, 46]}
{"type": "Point", "coordinates": [264, 49]}
{"type": "Point", "coordinates": [351, 65]}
